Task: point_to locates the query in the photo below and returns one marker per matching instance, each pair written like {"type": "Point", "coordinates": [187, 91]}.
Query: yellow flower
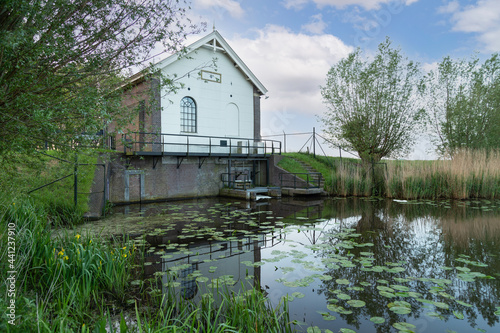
{"type": "Point", "coordinates": [65, 257]}
{"type": "Point", "coordinates": [77, 236]}
{"type": "Point", "coordinates": [124, 247]}
{"type": "Point", "coordinates": [60, 253]}
{"type": "Point", "coordinates": [54, 250]}
{"type": "Point", "coordinates": [124, 256]}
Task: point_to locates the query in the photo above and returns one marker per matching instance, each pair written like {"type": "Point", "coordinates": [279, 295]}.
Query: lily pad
{"type": "Point", "coordinates": [400, 310]}
{"type": "Point", "coordinates": [342, 281]}
{"type": "Point", "coordinates": [458, 315]}
{"type": "Point", "coordinates": [377, 320]}
{"type": "Point", "coordinates": [347, 330]}
{"type": "Point", "coordinates": [403, 326]}
{"type": "Point", "coordinates": [356, 303]}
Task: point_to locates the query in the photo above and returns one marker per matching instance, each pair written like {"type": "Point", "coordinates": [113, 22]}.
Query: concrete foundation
{"type": "Point", "coordinates": [135, 179]}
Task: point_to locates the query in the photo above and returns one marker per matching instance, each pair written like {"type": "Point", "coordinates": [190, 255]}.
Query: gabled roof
{"type": "Point", "coordinates": [216, 42]}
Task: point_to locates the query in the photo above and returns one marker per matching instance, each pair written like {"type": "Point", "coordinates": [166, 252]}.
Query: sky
{"type": "Point", "coordinates": [291, 44]}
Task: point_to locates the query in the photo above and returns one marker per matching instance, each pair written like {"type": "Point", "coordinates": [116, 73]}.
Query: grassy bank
{"type": "Point", "coordinates": [470, 174]}
{"type": "Point", "coordinates": [24, 174]}
{"type": "Point", "coordinates": [78, 283]}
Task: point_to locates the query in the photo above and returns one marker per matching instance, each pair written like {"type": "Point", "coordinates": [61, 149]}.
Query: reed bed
{"type": "Point", "coordinates": [469, 174]}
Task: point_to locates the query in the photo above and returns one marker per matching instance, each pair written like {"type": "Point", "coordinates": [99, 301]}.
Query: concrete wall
{"type": "Point", "coordinates": [136, 179]}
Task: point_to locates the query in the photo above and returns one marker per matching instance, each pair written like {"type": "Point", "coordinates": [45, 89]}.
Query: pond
{"type": "Point", "coordinates": [365, 265]}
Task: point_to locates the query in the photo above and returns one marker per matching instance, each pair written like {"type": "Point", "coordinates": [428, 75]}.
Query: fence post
{"type": "Point", "coordinates": [75, 186]}
{"type": "Point", "coordinates": [314, 141]}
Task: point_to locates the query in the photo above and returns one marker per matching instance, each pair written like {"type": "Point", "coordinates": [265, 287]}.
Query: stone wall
{"type": "Point", "coordinates": [135, 179]}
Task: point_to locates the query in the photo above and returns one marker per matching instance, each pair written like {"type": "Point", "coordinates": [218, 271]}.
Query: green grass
{"type": "Point", "coordinates": [24, 173]}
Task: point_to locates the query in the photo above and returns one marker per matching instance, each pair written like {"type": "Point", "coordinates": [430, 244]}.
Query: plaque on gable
{"type": "Point", "coordinates": [211, 76]}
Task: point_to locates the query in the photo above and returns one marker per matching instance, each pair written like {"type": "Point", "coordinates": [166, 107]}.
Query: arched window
{"type": "Point", "coordinates": [188, 115]}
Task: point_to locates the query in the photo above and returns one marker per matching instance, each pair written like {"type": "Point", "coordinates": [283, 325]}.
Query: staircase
{"type": "Point", "coordinates": [310, 169]}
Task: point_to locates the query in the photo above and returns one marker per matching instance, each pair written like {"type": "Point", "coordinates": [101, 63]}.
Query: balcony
{"type": "Point", "coordinates": [155, 144]}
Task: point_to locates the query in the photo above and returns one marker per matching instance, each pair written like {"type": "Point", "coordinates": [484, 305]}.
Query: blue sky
{"type": "Point", "coordinates": [291, 44]}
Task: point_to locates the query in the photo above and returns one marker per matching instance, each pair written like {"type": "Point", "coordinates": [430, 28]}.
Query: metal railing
{"type": "Point", "coordinates": [236, 180]}
{"type": "Point", "coordinates": [195, 145]}
{"type": "Point", "coordinates": [293, 180]}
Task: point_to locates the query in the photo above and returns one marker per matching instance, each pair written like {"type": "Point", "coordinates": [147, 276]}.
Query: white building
{"type": "Point", "coordinates": [197, 139]}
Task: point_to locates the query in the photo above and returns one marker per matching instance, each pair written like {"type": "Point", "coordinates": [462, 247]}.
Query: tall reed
{"type": "Point", "coordinates": [469, 174]}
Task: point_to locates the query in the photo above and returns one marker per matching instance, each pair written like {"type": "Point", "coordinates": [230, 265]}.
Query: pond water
{"type": "Point", "coordinates": [366, 265]}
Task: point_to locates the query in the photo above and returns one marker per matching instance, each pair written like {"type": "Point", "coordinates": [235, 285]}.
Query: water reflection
{"type": "Point", "coordinates": [343, 263]}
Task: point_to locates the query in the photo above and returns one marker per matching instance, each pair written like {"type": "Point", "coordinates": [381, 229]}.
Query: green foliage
{"type": "Point", "coordinates": [62, 61]}
{"type": "Point", "coordinates": [464, 104]}
{"type": "Point", "coordinates": [373, 107]}
{"type": "Point", "coordinates": [61, 279]}
{"type": "Point", "coordinates": [23, 173]}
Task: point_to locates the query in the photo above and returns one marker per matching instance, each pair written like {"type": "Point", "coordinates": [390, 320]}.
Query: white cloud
{"type": "Point", "coordinates": [482, 18]}
{"type": "Point", "coordinates": [367, 4]}
{"type": "Point", "coordinates": [316, 26]}
{"type": "Point", "coordinates": [295, 4]}
{"type": "Point", "coordinates": [231, 6]}
{"type": "Point", "coordinates": [450, 7]}
{"type": "Point", "coordinates": [292, 67]}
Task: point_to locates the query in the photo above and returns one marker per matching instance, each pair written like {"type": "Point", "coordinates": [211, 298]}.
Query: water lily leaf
{"type": "Point", "coordinates": [347, 330]}
{"type": "Point", "coordinates": [399, 303]}
{"type": "Point", "coordinates": [338, 309]}
{"type": "Point", "coordinates": [434, 315]}
{"type": "Point", "coordinates": [463, 269]}
{"type": "Point", "coordinates": [314, 329]}
{"type": "Point", "coordinates": [202, 279]}
{"type": "Point", "coordinates": [458, 315]}
{"type": "Point", "coordinates": [377, 320]}
{"type": "Point", "coordinates": [342, 281]}
{"type": "Point", "coordinates": [400, 310]}
{"type": "Point", "coordinates": [399, 287]}
{"type": "Point", "coordinates": [343, 296]}
{"type": "Point", "coordinates": [404, 326]}
{"type": "Point", "coordinates": [441, 305]}
{"type": "Point", "coordinates": [329, 317]}
{"type": "Point", "coordinates": [356, 303]}
{"type": "Point", "coordinates": [298, 295]}
{"type": "Point", "coordinates": [384, 288]}
{"type": "Point", "coordinates": [387, 294]}
{"type": "Point", "coordinates": [464, 304]}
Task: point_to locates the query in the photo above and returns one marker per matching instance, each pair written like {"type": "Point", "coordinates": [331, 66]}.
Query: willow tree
{"type": "Point", "coordinates": [61, 61]}
{"type": "Point", "coordinates": [464, 104]}
{"type": "Point", "coordinates": [372, 105]}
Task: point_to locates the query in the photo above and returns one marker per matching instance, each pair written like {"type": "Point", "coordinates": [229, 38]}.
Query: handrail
{"type": "Point", "coordinates": [309, 182]}
{"type": "Point", "coordinates": [198, 144]}
{"type": "Point", "coordinates": [232, 179]}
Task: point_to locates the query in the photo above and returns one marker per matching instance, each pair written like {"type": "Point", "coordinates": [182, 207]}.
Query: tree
{"type": "Point", "coordinates": [464, 104]}
{"type": "Point", "coordinates": [372, 106]}
{"type": "Point", "coordinates": [61, 62]}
